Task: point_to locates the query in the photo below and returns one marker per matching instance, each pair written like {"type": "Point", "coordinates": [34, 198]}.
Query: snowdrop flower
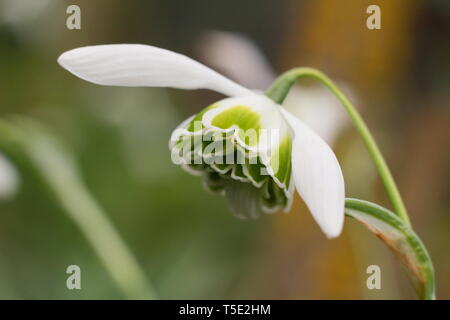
{"type": "Point", "coordinates": [19, 12]}
{"type": "Point", "coordinates": [264, 172]}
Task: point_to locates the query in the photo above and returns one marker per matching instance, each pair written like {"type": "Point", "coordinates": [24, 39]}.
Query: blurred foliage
{"type": "Point", "coordinates": [186, 240]}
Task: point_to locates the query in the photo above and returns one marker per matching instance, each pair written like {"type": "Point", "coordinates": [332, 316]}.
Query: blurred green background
{"type": "Point", "coordinates": [185, 239]}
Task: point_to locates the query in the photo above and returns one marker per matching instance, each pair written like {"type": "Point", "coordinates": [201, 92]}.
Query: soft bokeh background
{"type": "Point", "coordinates": [185, 239]}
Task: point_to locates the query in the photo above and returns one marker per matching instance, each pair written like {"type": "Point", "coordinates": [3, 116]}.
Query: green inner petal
{"type": "Point", "coordinates": [243, 199]}
{"type": "Point", "coordinates": [255, 172]}
{"type": "Point", "coordinates": [238, 171]}
{"type": "Point", "coordinates": [198, 118]}
{"type": "Point", "coordinates": [242, 117]}
{"type": "Point", "coordinates": [281, 161]}
{"type": "Point", "coordinates": [214, 182]}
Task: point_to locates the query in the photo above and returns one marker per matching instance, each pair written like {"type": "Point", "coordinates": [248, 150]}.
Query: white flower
{"type": "Point", "coordinates": [296, 159]}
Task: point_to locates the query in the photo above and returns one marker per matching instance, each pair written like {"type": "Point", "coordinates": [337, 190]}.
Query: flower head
{"type": "Point", "coordinates": [9, 179]}
{"type": "Point", "coordinates": [246, 146]}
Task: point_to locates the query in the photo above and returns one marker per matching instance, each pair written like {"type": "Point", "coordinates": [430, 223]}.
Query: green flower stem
{"type": "Point", "coordinates": [59, 170]}
{"type": "Point", "coordinates": [280, 89]}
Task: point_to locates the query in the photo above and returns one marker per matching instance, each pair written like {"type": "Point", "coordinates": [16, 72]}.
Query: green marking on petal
{"type": "Point", "coordinates": [221, 167]}
{"type": "Point", "coordinates": [238, 173]}
{"type": "Point", "coordinates": [268, 199]}
{"type": "Point", "coordinates": [273, 197]}
{"type": "Point", "coordinates": [253, 181]}
{"type": "Point", "coordinates": [243, 117]}
{"type": "Point", "coordinates": [213, 181]}
{"type": "Point", "coordinates": [280, 161]}
{"type": "Point", "coordinates": [255, 172]}
{"type": "Point", "coordinates": [400, 238]}
{"type": "Point", "coordinates": [243, 199]}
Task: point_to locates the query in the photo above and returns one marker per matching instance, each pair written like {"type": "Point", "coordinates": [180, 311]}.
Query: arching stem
{"type": "Point", "coordinates": [280, 89]}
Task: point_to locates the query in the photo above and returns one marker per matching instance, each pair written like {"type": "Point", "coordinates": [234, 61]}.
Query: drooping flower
{"type": "Point", "coordinates": [246, 146]}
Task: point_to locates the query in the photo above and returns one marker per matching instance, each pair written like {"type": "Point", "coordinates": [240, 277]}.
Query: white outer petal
{"type": "Point", "coordinates": [137, 65]}
{"type": "Point", "coordinates": [317, 177]}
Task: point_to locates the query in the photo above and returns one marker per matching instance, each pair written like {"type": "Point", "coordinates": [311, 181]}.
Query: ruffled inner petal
{"type": "Point", "coordinates": [214, 146]}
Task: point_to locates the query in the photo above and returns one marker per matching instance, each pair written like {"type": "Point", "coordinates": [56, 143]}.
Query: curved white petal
{"type": "Point", "coordinates": [137, 65]}
{"type": "Point", "coordinates": [317, 177]}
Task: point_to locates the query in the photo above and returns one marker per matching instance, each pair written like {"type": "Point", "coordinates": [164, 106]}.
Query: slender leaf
{"type": "Point", "coordinates": [401, 239]}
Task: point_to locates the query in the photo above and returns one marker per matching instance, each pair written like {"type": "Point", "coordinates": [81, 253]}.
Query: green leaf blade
{"type": "Point", "coordinates": [401, 239]}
